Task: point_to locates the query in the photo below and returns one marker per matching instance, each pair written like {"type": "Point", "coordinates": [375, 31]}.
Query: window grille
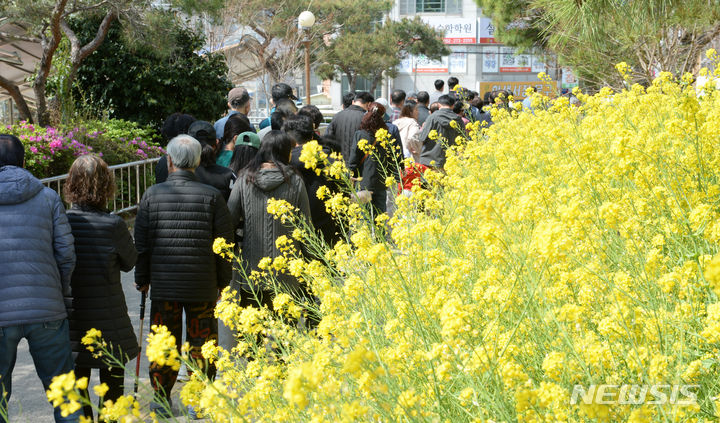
{"type": "Point", "coordinates": [430, 6]}
{"type": "Point", "coordinates": [411, 7]}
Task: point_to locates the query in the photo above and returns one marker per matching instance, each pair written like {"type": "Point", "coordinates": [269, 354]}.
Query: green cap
{"type": "Point", "coordinates": [248, 138]}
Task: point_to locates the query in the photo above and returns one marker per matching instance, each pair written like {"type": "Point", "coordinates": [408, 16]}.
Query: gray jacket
{"type": "Point", "coordinates": [37, 255]}
{"type": "Point", "coordinates": [433, 151]}
{"type": "Point", "coordinates": [248, 207]}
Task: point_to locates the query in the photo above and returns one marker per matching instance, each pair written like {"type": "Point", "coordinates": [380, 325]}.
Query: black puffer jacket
{"type": "Point", "coordinates": [103, 247]}
{"type": "Point", "coordinates": [216, 176]}
{"type": "Point", "coordinates": [176, 225]}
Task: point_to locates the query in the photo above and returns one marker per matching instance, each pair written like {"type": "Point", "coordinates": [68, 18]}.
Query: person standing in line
{"type": "Point", "coordinates": [300, 129]}
{"type": "Point", "coordinates": [237, 124]}
{"type": "Point", "coordinates": [315, 114]}
{"type": "Point", "coordinates": [345, 123]}
{"type": "Point", "coordinates": [268, 176]}
{"type": "Point", "coordinates": [103, 247]}
{"type": "Point", "coordinates": [452, 83]}
{"type": "Point", "coordinates": [280, 91]}
{"type": "Point", "coordinates": [209, 172]}
{"type": "Point", "coordinates": [239, 101]}
{"type": "Point", "coordinates": [433, 150]}
{"type": "Point", "coordinates": [347, 99]}
{"type": "Point", "coordinates": [423, 101]}
{"type": "Point", "coordinates": [383, 162]}
{"type": "Point", "coordinates": [176, 124]}
{"type": "Point", "coordinates": [439, 90]}
{"type": "Point", "coordinates": [284, 108]}
{"type": "Point", "coordinates": [38, 258]}
{"type": "Point", "coordinates": [409, 131]}
{"type": "Point", "coordinates": [176, 225]}
{"type": "Point", "coordinates": [397, 99]}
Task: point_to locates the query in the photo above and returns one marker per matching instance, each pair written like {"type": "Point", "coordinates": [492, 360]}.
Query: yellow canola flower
{"type": "Point", "coordinates": [312, 155]}
{"type": "Point", "coordinates": [101, 390]}
{"type": "Point", "coordinates": [222, 248]}
{"type": "Point", "coordinates": [124, 410]}
{"type": "Point", "coordinates": [364, 146]}
{"type": "Point", "coordinates": [280, 209]}
{"type": "Point", "coordinates": [574, 246]}
{"type": "Point", "coordinates": [91, 336]}
{"type": "Point", "coordinates": [161, 347]}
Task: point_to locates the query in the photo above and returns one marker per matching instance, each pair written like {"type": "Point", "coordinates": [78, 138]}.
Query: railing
{"type": "Point", "coordinates": [132, 179]}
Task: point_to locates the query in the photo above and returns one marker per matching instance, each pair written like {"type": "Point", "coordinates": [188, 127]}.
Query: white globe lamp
{"type": "Point", "coordinates": [306, 19]}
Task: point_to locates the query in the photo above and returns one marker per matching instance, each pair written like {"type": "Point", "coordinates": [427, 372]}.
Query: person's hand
{"type": "Point", "coordinates": [143, 288]}
{"type": "Point", "coordinates": [363, 196]}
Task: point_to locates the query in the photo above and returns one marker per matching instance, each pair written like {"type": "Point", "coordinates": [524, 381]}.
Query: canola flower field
{"type": "Point", "coordinates": [568, 246]}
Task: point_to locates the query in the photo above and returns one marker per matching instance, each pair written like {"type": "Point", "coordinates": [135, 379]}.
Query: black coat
{"type": "Point", "coordinates": [216, 176]}
{"type": "Point", "coordinates": [374, 168]}
{"type": "Point", "coordinates": [423, 113]}
{"type": "Point", "coordinates": [176, 225]}
{"type": "Point", "coordinates": [321, 219]}
{"type": "Point", "coordinates": [343, 126]}
{"type": "Point", "coordinates": [161, 170]}
{"type": "Point", "coordinates": [103, 247]}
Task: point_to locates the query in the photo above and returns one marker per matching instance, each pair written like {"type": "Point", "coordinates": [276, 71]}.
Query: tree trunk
{"type": "Point", "coordinates": [43, 117]}
{"type": "Point", "coordinates": [18, 98]}
{"type": "Point", "coordinates": [351, 81]}
{"type": "Point", "coordinates": [49, 45]}
{"type": "Point", "coordinates": [376, 80]}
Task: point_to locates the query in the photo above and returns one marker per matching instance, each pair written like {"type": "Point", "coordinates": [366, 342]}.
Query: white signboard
{"type": "Point", "coordinates": [569, 80]}
{"type": "Point", "coordinates": [486, 31]}
{"type": "Point", "coordinates": [538, 65]}
{"type": "Point", "coordinates": [509, 62]}
{"type": "Point", "coordinates": [425, 65]}
{"type": "Point", "coordinates": [458, 63]}
{"type": "Point", "coordinates": [491, 59]}
{"type": "Point", "coordinates": [406, 65]}
{"type": "Point", "coordinates": [456, 30]}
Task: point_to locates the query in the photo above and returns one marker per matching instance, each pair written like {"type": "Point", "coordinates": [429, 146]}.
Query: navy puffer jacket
{"type": "Point", "coordinates": [37, 255]}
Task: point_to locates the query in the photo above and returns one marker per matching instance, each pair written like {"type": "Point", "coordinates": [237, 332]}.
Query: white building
{"type": "Point", "coordinates": [478, 60]}
{"type": "Point", "coordinates": [477, 57]}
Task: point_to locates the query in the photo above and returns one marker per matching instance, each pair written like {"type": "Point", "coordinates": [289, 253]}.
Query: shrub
{"type": "Point", "coordinates": [51, 151]}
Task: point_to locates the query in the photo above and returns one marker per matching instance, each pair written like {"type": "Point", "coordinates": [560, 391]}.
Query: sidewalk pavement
{"type": "Point", "coordinates": [28, 403]}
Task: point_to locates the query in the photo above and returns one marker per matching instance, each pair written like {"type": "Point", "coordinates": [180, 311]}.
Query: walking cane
{"type": "Point", "coordinates": [140, 340]}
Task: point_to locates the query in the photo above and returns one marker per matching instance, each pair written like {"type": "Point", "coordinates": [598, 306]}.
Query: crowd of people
{"type": "Point", "coordinates": [61, 269]}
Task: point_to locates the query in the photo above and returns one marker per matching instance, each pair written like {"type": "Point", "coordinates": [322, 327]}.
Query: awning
{"type": "Point", "coordinates": [19, 55]}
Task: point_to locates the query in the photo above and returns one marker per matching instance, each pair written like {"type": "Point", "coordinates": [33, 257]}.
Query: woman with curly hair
{"type": "Point", "coordinates": [103, 247]}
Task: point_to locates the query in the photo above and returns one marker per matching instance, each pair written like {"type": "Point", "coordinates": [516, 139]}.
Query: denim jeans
{"type": "Point", "coordinates": [50, 349]}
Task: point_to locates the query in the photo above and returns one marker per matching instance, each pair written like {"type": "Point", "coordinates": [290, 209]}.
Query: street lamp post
{"type": "Point", "coordinates": [305, 21]}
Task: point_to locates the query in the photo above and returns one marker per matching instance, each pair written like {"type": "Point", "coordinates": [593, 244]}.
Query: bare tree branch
{"type": "Point", "coordinates": [76, 9]}
{"type": "Point", "coordinates": [17, 96]}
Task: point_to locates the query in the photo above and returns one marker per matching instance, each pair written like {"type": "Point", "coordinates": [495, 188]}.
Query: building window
{"type": "Point", "coordinates": [448, 7]}
{"type": "Point", "coordinates": [430, 6]}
